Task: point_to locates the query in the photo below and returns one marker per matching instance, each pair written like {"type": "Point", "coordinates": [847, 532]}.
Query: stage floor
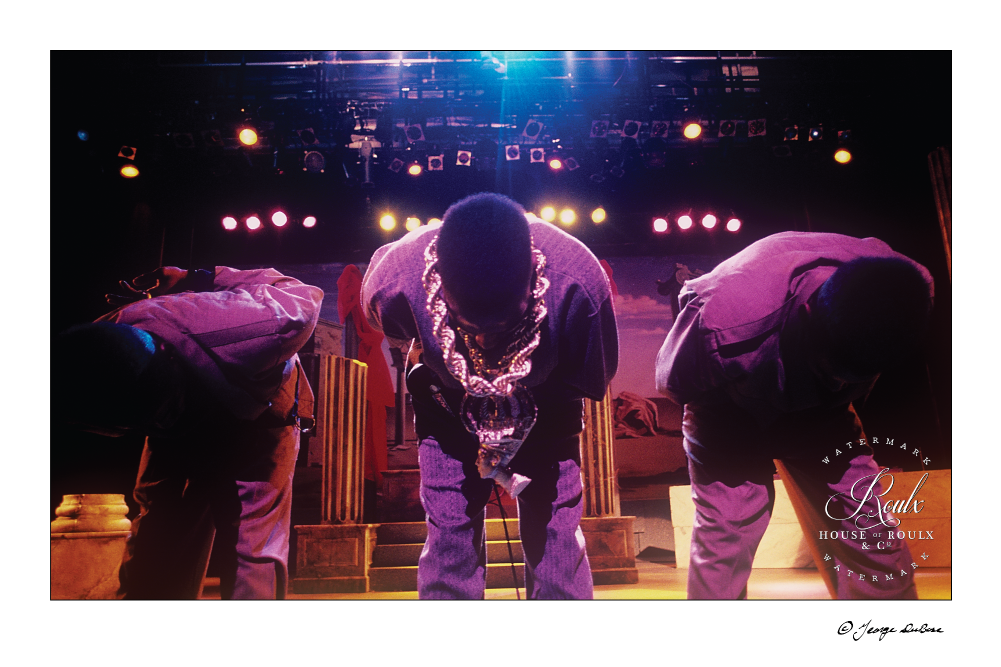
{"type": "Point", "coordinates": [663, 581]}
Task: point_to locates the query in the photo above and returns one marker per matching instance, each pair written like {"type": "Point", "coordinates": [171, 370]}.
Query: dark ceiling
{"type": "Point", "coordinates": [181, 112]}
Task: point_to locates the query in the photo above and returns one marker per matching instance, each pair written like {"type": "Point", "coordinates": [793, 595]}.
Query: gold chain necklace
{"type": "Point", "coordinates": [515, 364]}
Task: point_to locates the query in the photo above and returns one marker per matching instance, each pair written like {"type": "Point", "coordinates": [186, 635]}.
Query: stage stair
{"type": "Point", "coordinates": [398, 547]}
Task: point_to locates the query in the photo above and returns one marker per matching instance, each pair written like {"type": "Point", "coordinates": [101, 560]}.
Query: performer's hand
{"type": "Point", "coordinates": [164, 280]}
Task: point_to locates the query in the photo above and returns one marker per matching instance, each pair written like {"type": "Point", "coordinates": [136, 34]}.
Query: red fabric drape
{"type": "Point", "coordinates": [379, 394]}
{"type": "Point", "coordinates": [608, 272]}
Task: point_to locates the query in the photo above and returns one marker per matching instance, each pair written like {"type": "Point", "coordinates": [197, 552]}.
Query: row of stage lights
{"type": "Point", "coordinates": [248, 137]}
{"type": "Point", "coordinates": [686, 222]}
{"type": "Point", "coordinates": [567, 216]}
{"type": "Point", "coordinates": [253, 222]}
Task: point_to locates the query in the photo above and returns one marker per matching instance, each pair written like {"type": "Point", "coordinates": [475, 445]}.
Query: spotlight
{"type": "Point", "coordinates": [727, 128]}
{"type": "Point", "coordinates": [127, 152]}
{"type": "Point", "coordinates": [278, 218]}
{"type": "Point", "coordinates": [490, 62]}
{"type": "Point", "coordinates": [307, 136]}
{"type": "Point", "coordinates": [660, 225]}
{"type": "Point", "coordinates": [844, 135]}
{"type": "Point", "coordinates": [567, 216]}
{"type": "Point", "coordinates": [791, 133]}
{"type": "Point", "coordinates": [685, 221]}
{"type": "Point", "coordinates": [709, 221]}
{"type": "Point", "coordinates": [537, 155]}
{"type": "Point", "coordinates": [309, 221]}
{"type": "Point", "coordinates": [129, 171]}
{"type": "Point", "coordinates": [414, 169]}
{"type": "Point", "coordinates": [314, 162]}
{"type": "Point", "coordinates": [572, 164]}
{"type": "Point", "coordinates": [658, 129]}
{"type": "Point", "coordinates": [412, 223]}
{"type": "Point", "coordinates": [757, 127]}
{"type": "Point", "coordinates": [464, 158]}
{"type": "Point", "coordinates": [387, 222]}
{"type": "Point", "coordinates": [693, 130]}
{"type": "Point", "coordinates": [843, 156]}
{"type": "Point", "coordinates": [555, 164]}
{"type": "Point", "coordinates": [598, 215]}
{"type": "Point", "coordinates": [532, 129]}
{"type": "Point", "coordinates": [733, 224]}
{"type": "Point", "coordinates": [436, 162]}
{"type": "Point", "coordinates": [396, 165]}
{"type": "Point", "coordinates": [212, 138]}
{"type": "Point", "coordinates": [83, 135]}
{"type": "Point", "coordinates": [434, 221]}
{"type": "Point", "coordinates": [414, 133]}
{"type": "Point", "coordinates": [253, 222]}
{"type": "Point", "coordinates": [512, 152]}
{"type": "Point", "coordinates": [229, 223]}
{"type": "Point", "coordinates": [248, 137]}
{"type": "Point", "coordinates": [548, 213]}
{"type": "Point", "coordinates": [816, 134]}
{"type": "Point", "coordinates": [599, 129]}
{"type": "Point", "coordinates": [631, 128]}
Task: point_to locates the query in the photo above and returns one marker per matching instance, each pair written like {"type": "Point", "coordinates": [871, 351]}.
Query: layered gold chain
{"type": "Point", "coordinates": [485, 380]}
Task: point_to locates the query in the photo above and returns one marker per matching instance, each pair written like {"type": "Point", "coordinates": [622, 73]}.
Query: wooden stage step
{"type": "Point", "coordinates": [399, 545]}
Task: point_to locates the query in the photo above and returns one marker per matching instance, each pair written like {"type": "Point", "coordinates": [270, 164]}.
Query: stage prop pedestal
{"type": "Point", "coordinates": [335, 557]}
{"type": "Point", "coordinates": [608, 535]}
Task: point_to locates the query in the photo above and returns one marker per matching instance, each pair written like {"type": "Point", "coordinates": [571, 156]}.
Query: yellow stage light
{"type": "Point", "coordinates": [248, 137]}
{"type": "Point", "coordinates": [412, 223]}
{"type": "Point", "coordinates": [693, 130]}
{"type": "Point", "coordinates": [567, 216]}
{"type": "Point", "coordinates": [414, 170]}
{"type": "Point", "coordinates": [598, 215]}
{"type": "Point", "coordinates": [548, 213]}
{"type": "Point", "coordinates": [843, 156]}
{"type": "Point", "coordinates": [129, 171]}
{"type": "Point", "coordinates": [387, 222]}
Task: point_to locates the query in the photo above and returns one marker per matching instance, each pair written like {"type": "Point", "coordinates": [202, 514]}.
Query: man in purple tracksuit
{"type": "Point", "coordinates": [767, 354]}
{"type": "Point", "coordinates": [506, 284]}
{"type": "Point", "coordinates": [204, 363]}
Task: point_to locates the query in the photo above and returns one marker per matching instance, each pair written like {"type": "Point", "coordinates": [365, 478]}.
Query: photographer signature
{"type": "Point", "coordinates": [868, 628]}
